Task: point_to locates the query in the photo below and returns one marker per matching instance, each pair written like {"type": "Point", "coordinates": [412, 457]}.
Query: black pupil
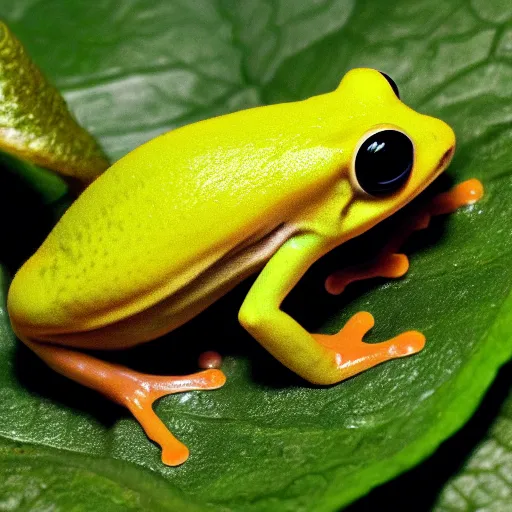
{"type": "Point", "coordinates": [384, 162]}
{"type": "Point", "coordinates": [391, 82]}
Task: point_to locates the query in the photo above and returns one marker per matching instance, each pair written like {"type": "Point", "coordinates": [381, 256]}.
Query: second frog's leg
{"type": "Point", "coordinates": [321, 359]}
{"type": "Point", "coordinates": [390, 263]}
{"type": "Point", "coordinates": [134, 390]}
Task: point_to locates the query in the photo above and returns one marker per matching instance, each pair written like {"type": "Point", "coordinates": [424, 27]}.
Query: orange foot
{"type": "Point", "coordinates": [392, 264]}
{"type": "Point", "coordinates": [139, 395]}
{"type": "Point", "coordinates": [354, 356]}
{"type": "Point", "coordinates": [134, 390]}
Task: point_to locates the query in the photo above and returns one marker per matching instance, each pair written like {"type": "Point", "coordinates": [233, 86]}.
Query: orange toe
{"type": "Point", "coordinates": [406, 344]}
{"type": "Point", "coordinates": [174, 456]}
{"type": "Point", "coordinates": [352, 355]}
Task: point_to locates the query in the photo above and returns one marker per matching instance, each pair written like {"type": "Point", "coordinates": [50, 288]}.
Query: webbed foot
{"type": "Point", "coordinates": [134, 390]}
{"type": "Point", "coordinates": [353, 355]}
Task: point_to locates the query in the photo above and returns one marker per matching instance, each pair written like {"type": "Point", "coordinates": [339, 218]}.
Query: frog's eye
{"type": "Point", "coordinates": [391, 82]}
{"type": "Point", "coordinates": [384, 162]}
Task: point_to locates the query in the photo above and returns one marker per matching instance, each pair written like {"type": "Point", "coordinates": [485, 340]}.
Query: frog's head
{"type": "Point", "coordinates": [393, 152]}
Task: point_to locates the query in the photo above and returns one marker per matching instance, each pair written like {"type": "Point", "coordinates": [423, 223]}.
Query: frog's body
{"type": "Point", "coordinates": [165, 216]}
{"type": "Point", "coordinates": [179, 221]}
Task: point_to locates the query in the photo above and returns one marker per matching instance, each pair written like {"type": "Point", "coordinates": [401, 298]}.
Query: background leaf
{"type": "Point", "coordinates": [485, 481]}
{"type": "Point", "coordinates": [267, 440]}
{"type": "Point", "coordinates": [35, 123]}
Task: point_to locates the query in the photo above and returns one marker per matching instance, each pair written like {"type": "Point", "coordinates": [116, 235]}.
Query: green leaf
{"type": "Point", "coordinates": [485, 481]}
{"type": "Point", "coordinates": [35, 123]}
{"type": "Point", "coordinates": [37, 478]}
{"type": "Point", "coordinates": [267, 440]}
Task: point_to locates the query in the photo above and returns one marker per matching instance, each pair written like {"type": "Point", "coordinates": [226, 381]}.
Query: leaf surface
{"type": "Point", "coordinates": [485, 481]}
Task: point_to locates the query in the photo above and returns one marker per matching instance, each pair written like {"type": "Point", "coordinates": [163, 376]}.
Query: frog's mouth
{"type": "Point", "coordinates": [445, 160]}
{"type": "Point", "coordinates": [443, 163]}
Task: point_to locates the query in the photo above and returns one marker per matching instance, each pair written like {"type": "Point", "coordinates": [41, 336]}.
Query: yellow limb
{"type": "Point", "coordinates": [320, 359]}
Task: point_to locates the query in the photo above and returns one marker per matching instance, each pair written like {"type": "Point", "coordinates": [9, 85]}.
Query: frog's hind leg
{"type": "Point", "coordinates": [392, 264]}
{"type": "Point", "coordinates": [134, 390]}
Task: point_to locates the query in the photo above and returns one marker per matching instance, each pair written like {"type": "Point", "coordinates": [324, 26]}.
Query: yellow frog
{"type": "Point", "coordinates": [182, 219]}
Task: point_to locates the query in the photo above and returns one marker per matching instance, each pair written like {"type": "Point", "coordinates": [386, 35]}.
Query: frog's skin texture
{"type": "Point", "coordinates": [179, 221]}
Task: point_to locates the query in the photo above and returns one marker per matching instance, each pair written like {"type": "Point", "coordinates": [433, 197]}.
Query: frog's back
{"type": "Point", "coordinates": [167, 211]}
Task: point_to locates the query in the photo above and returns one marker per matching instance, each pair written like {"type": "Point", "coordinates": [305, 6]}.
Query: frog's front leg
{"type": "Point", "coordinates": [319, 358]}
{"type": "Point", "coordinates": [392, 264]}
